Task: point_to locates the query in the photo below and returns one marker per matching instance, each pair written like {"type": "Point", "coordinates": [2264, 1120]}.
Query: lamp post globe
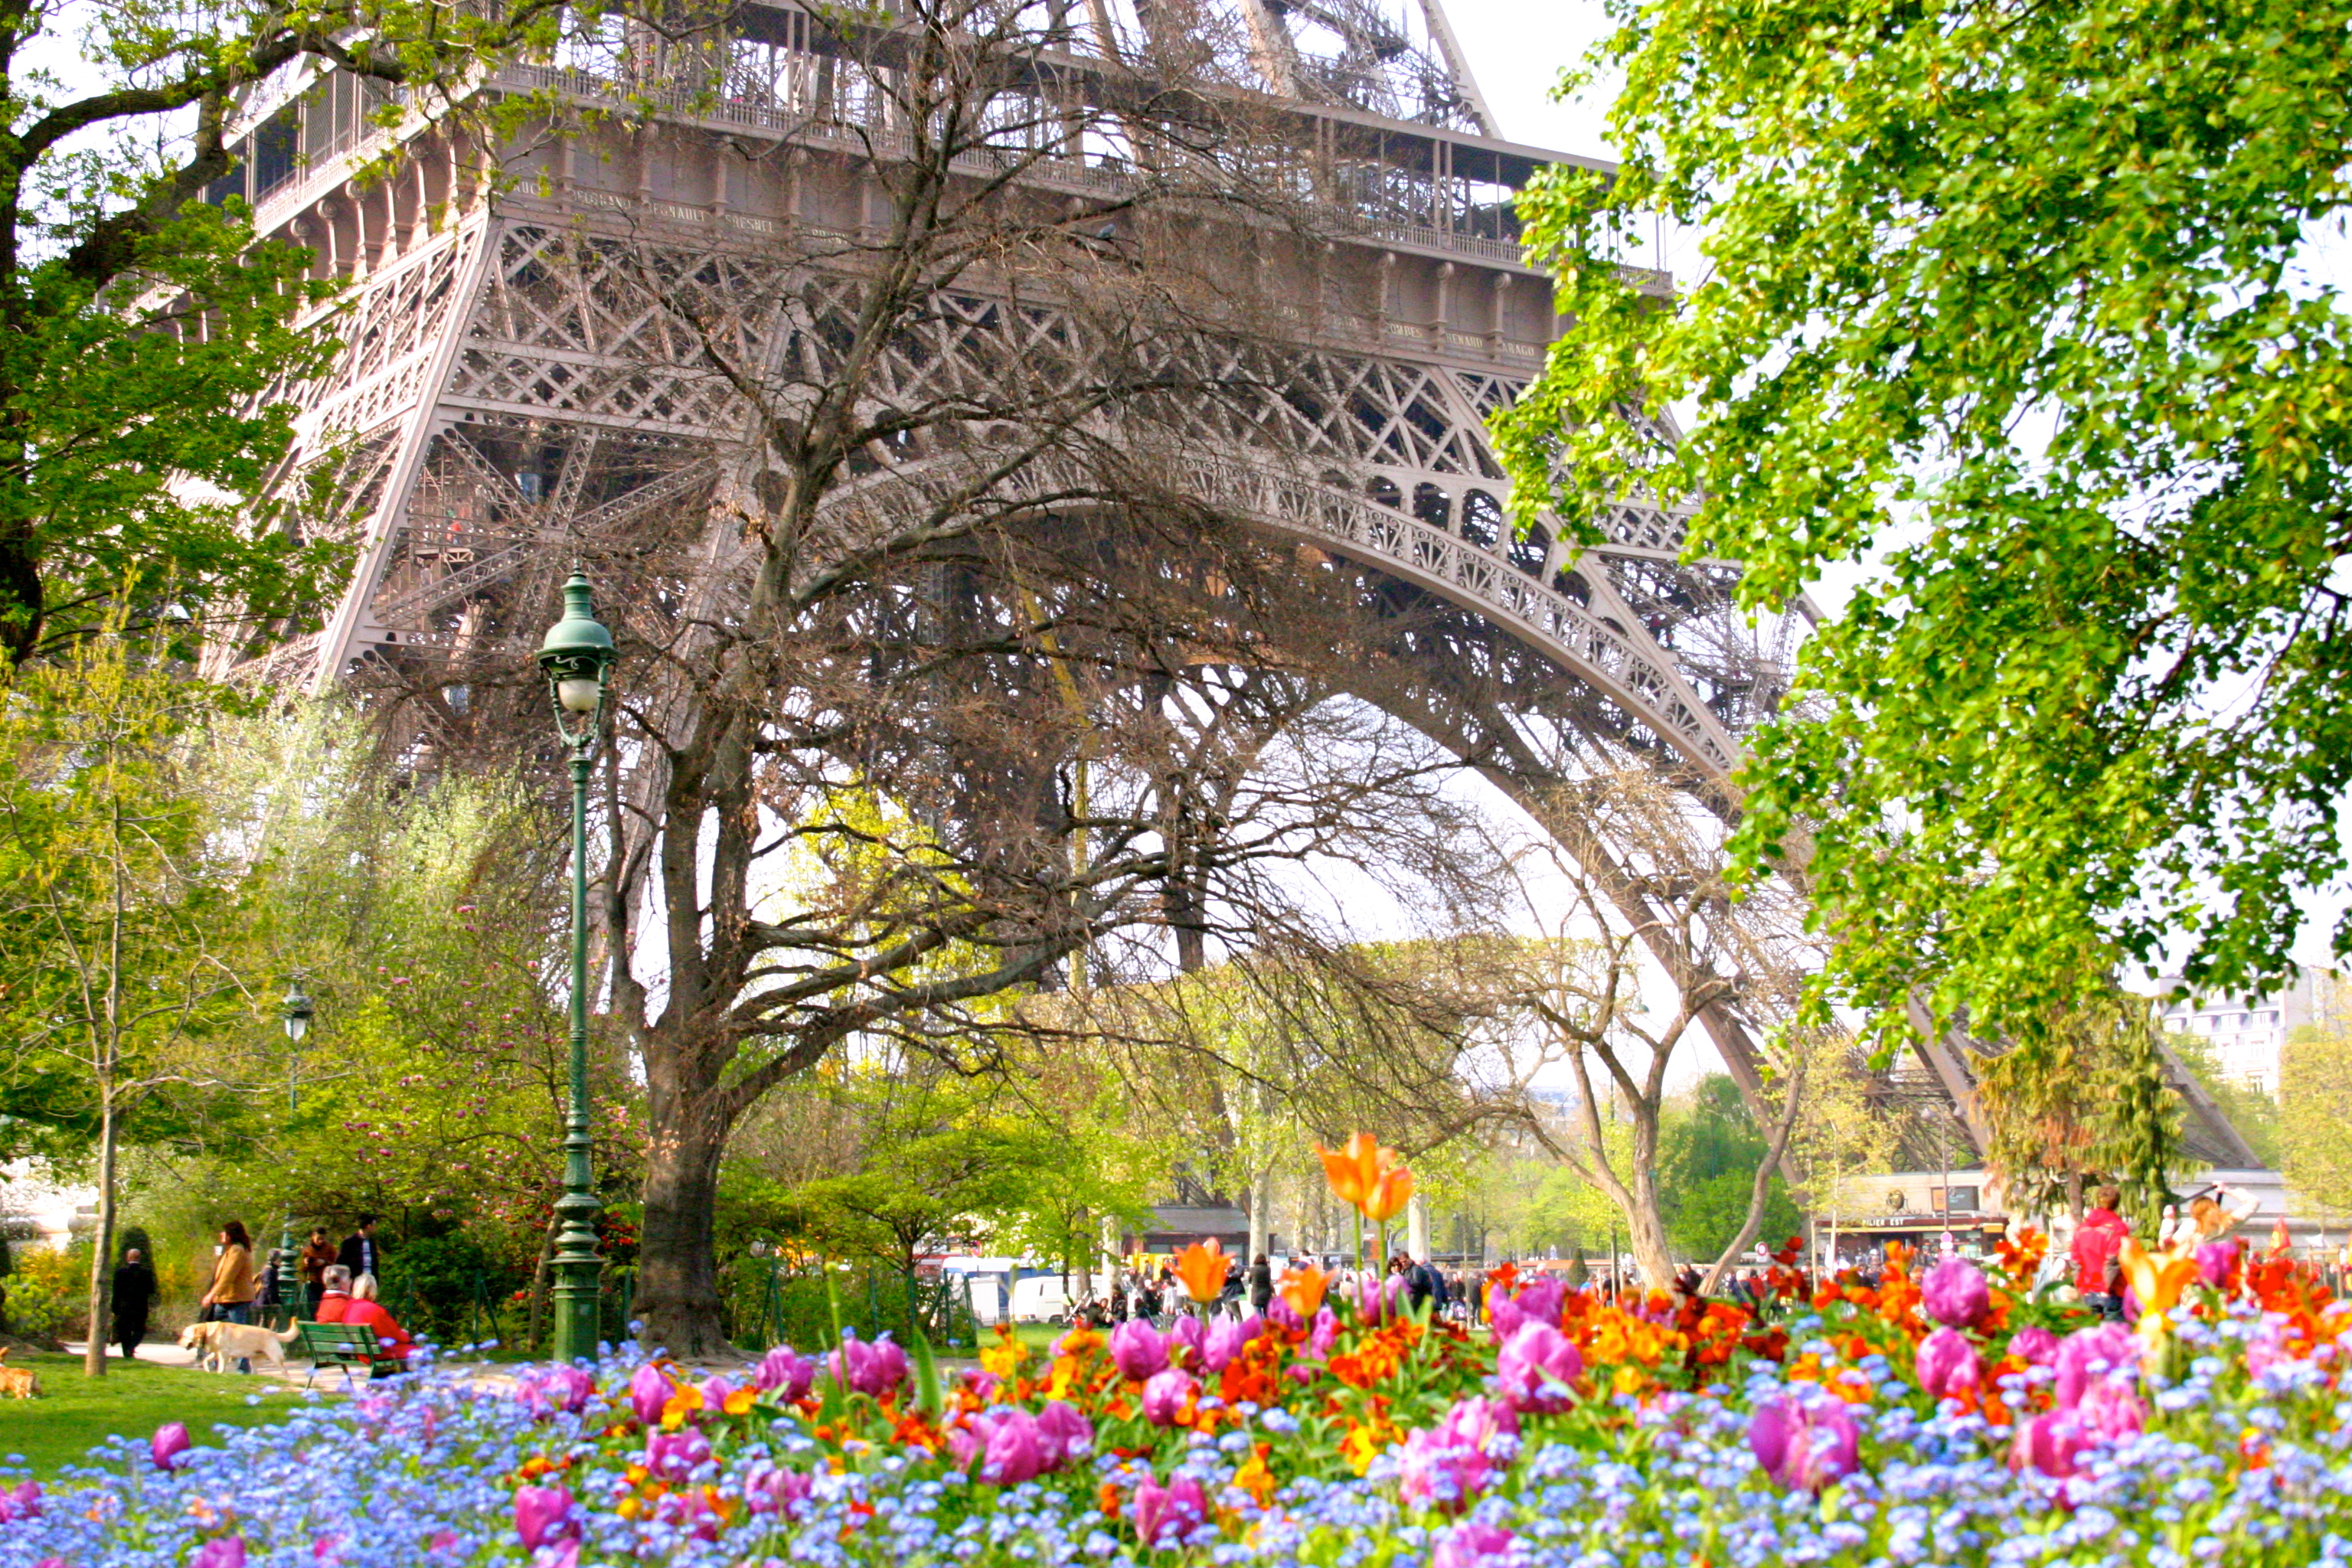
{"type": "Point", "coordinates": [577, 657]}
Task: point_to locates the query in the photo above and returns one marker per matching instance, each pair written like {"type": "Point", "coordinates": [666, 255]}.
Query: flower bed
{"type": "Point", "coordinates": [1943, 1419]}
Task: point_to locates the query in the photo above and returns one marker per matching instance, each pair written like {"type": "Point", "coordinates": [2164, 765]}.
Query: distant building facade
{"type": "Point", "coordinates": [2247, 1033]}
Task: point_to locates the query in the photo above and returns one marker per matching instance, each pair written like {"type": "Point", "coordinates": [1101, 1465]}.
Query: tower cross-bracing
{"type": "Point", "coordinates": [590, 310]}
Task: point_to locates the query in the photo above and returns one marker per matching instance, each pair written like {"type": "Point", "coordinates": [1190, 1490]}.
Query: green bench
{"type": "Point", "coordinates": [344, 1345]}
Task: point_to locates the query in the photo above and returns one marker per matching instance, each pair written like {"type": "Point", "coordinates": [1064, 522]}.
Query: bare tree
{"type": "Point", "coordinates": [954, 672]}
{"type": "Point", "coordinates": [1580, 1001]}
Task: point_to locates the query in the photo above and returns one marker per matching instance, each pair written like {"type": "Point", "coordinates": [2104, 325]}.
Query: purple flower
{"type": "Point", "coordinates": [1955, 1293]}
{"type": "Point", "coordinates": [716, 1393]}
{"type": "Point", "coordinates": [1537, 1365]}
{"type": "Point", "coordinates": [2048, 1443]}
{"type": "Point", "coordinates": [559, 1388]}
{"type": "Point", "coordinates": [1065, 1434]}
{"type": "Point", "coordinates": [2213, 1261]}
{"type": "Point", "coordinates": [168, 1444]}
{"type": "Point", "coordinates": [2086, 1354]}
{"type": "Point", "coordinates": [1804, 1444]}
{"type": "Point", "coordinates": [1136, 1350]}
{"type": "Point", "coordinates": [228, 1552]}
{"type": "Point", "coordinates": [1223, 1342]}
{"type": "Point", "coordinates": [22, 1501]}
{"type": "Point", "coordinates": [543, 1515]}
{"type": "Point", "coordinates": [1947, 1364]}
{"type": "Point", "coordinates": [771, 1490]}
{"type": "Point", "coordinates": [1325, 1335]}
{"type": "Point", "coordinates": [1184, 1334]}
{"type": "Point", "coordinates": [649, 1394]}
{"type": "Point", "coordinates": [673, 1456]}
{"type": "Point", "coordinates": [1167, 1515]}
{"type": "Point", "coordinates": [983, 1384]}
{"type": "Point", "coordinates": [2034, 1346]}
{"type": "Point", "coordinates": [2111, 1412]}
{"type": "Point", "coordinates": [1278, 1313]}
{"type": "Point", "coordinates": [874, 1369]}
{"type": "Point", "coordinates": [1165, 1394]}
{"type": "Point", "coordinates": [1537, 1302]}
{"type": "Point", "coordinates": [1015, 1451]}
{"type": "Point", "coordinates": [785, 1371]}
{"type": "Point", "coordinates": [1445, 1465]}
{"type": "Point", "coordinates": [1470, 1543]}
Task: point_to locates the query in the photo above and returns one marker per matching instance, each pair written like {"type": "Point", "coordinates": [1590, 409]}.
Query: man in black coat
{"type": "Point", "coordinates": [359, 1254]}
{"type": "Point", "coordinates": [134, 1294]}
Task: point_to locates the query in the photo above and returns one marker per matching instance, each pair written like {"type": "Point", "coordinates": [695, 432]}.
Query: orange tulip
{"type": "Point", "coordinates": [2156, 1279]}
{"type": "Point", "coordinates": [1389, 1195]}
{"type": "Point", "coordinates": [1354, 1168]}
{"type": "Point", "coordinates": [1202, 1269]}
{"type": "Point", "coordinates": [1302, 1289]}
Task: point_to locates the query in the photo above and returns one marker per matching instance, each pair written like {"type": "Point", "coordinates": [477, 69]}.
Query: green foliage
{"type": "Point", "coordinates": [2252, 1110]}
{"type": "Point", "coordinates": [1707, 1158]}
{"type": "Point", "coordinates": [2314, 1110]}
{"type": "Point", "coordinates": [48, 1295]}
{"type": "Point", "coordinates": [2086, 1093]}
{"type": "Point", "coordinates": [149, 343]}
{"type": "Point", "coordinates": [2011, 307]}
{"type": "Point", "coordinates": [441, 1282]}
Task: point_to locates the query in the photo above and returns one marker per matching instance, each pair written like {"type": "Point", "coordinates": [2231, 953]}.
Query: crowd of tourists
{"type": "Point", "coordinates": [326, 1283]}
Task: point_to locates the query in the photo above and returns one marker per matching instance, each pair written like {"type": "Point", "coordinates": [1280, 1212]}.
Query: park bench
{"type": "Point", "coordinates": [344, 1345]}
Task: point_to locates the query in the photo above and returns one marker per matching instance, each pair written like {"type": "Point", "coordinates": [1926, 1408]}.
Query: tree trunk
{"type": "Point", "coordinates": [678, 1269]}
{"type": "Point", "coordinates": [1645, 1231]}
{"type": "Point", "coordinates": [540, 1281]}
{"type": "Point", "coordinates": [1261, 1211]}
{"type": "Point", "coordinates": [102, 1278]}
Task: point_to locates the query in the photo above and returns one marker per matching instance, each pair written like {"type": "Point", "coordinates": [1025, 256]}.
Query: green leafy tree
{"type": "Point", "coordinates": [2014, 307]}
{"type": "Point", "coordinates": [2314, 1109]}
{"type": "Point", "coordinates": [112, 967]}
{"type": "Point", "coordinates": [1709, 1156]}
{"type": "Point", "coordinates": [143, 334]}
{"type": "Point", "coordinates": [2086, 1092]}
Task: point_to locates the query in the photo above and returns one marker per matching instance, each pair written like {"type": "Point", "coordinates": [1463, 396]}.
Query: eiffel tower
{"type": "Point", "coordinates": [502, 392]}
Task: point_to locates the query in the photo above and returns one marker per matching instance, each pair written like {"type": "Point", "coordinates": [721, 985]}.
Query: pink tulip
{"type": "Point", "coordinates": [2214, 1260]}
{"type": "Point", "coordinates": [785, 1371]}
{"type": "Point", "coordinates": [1165, 1394]}
{"type": "Point", "coordinates": [1168, 1515]}
{"type": "Point", "coordinates": [1955, 1293]}
{"type": "Point", "coordinates": [1805, 1445]}
{"type": "Point", "coordinates": [1325, 1335]}
{"type": "Point", "coordinates": [1016, 1450]}
{"type": "Point", "coordinates": [876, 1369]}
{"type": "Point", "coordinates": [1537, 1365]}
{"type": "Point", "coordinates": [649, 1394]}
{"type": "Point", "coordinates": [1136, 1350]}
{"type": "Point", "coordinates": [543, 1515]}
{"type": "Point", "coordinates": [1444, 1467]}
{"type": "Point", "coordinates": [2109, 1350]}
{"type": "Point", "coordinates": [21, 1502]}
{"type": "Point", "coordinates": [1065, 1435]}
{"type": "Point", "coordinates": [771, 1490]}
{"type": "Point", "coordinates": [228, 1552]}
{"type": "Point", "coordinates": [2034, 1346]}
{"type": "Point", "coordinates": [1947, 1364]}
{"type": "Point", "coordinates": [1223, 1342]}
{"type": "Point", "coordinates": [1537, 1303]}
{"type": "Point", "coordinates": [169, 1443]}
{"type": "Point", "coordinates": [1471, 1545]}
{"type": "Point", "coordinates": [2049, 1443]}
{"type": "Point", "coordinates": [2111, 1412]}
{"type": "Point", "coordinates": [1184, 1334]}
{"type": "Point", "coordinates": [673, 1456]}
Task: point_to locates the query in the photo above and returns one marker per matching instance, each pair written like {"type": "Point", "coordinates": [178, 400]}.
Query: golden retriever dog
{"type": "Point", "coordinates": [218, 1344]}
{"type": "Point", "coordinates": [18, 1382]}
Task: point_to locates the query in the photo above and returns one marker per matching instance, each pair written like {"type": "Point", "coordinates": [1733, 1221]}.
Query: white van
{"type": "Point", "coordinates": [1040, 1298]}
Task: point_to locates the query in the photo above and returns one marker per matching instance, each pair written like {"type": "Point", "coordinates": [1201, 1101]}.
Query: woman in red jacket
{"type": "Point", "coordinates": [393, 1343]}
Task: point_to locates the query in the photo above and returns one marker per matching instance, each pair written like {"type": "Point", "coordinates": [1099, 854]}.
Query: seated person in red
{"type": "Point", "coordinates": [393, 1343]}
{"type": "Point", "coordinates": [335, 1281]}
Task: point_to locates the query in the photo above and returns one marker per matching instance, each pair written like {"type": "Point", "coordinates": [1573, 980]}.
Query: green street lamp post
{"type": "Point", "coordinates": [298, 1012]}
{"type": "Point", "coordinates": [578, 656]}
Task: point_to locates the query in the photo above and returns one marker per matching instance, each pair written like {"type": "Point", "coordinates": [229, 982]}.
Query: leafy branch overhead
{"type": "Point", "coordinates": [2014, 309]}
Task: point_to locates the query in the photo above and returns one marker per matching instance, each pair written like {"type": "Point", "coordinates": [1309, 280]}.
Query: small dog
{"type": "Point", "coordinates": [18, 1382]}
{"type": "Point", "coordinates": [218, 1344]}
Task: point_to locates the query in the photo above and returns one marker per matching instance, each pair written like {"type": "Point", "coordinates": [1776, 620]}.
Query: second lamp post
{"type": "Point", "coordinates": [578, 657]}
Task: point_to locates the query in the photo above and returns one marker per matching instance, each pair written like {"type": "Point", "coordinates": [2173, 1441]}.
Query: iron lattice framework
{"type": "Point", "coordinates": [517, 376]}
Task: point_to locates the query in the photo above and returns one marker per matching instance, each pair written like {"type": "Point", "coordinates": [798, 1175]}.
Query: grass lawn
{"type": "Point", "coordinates": [76, 1413]}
